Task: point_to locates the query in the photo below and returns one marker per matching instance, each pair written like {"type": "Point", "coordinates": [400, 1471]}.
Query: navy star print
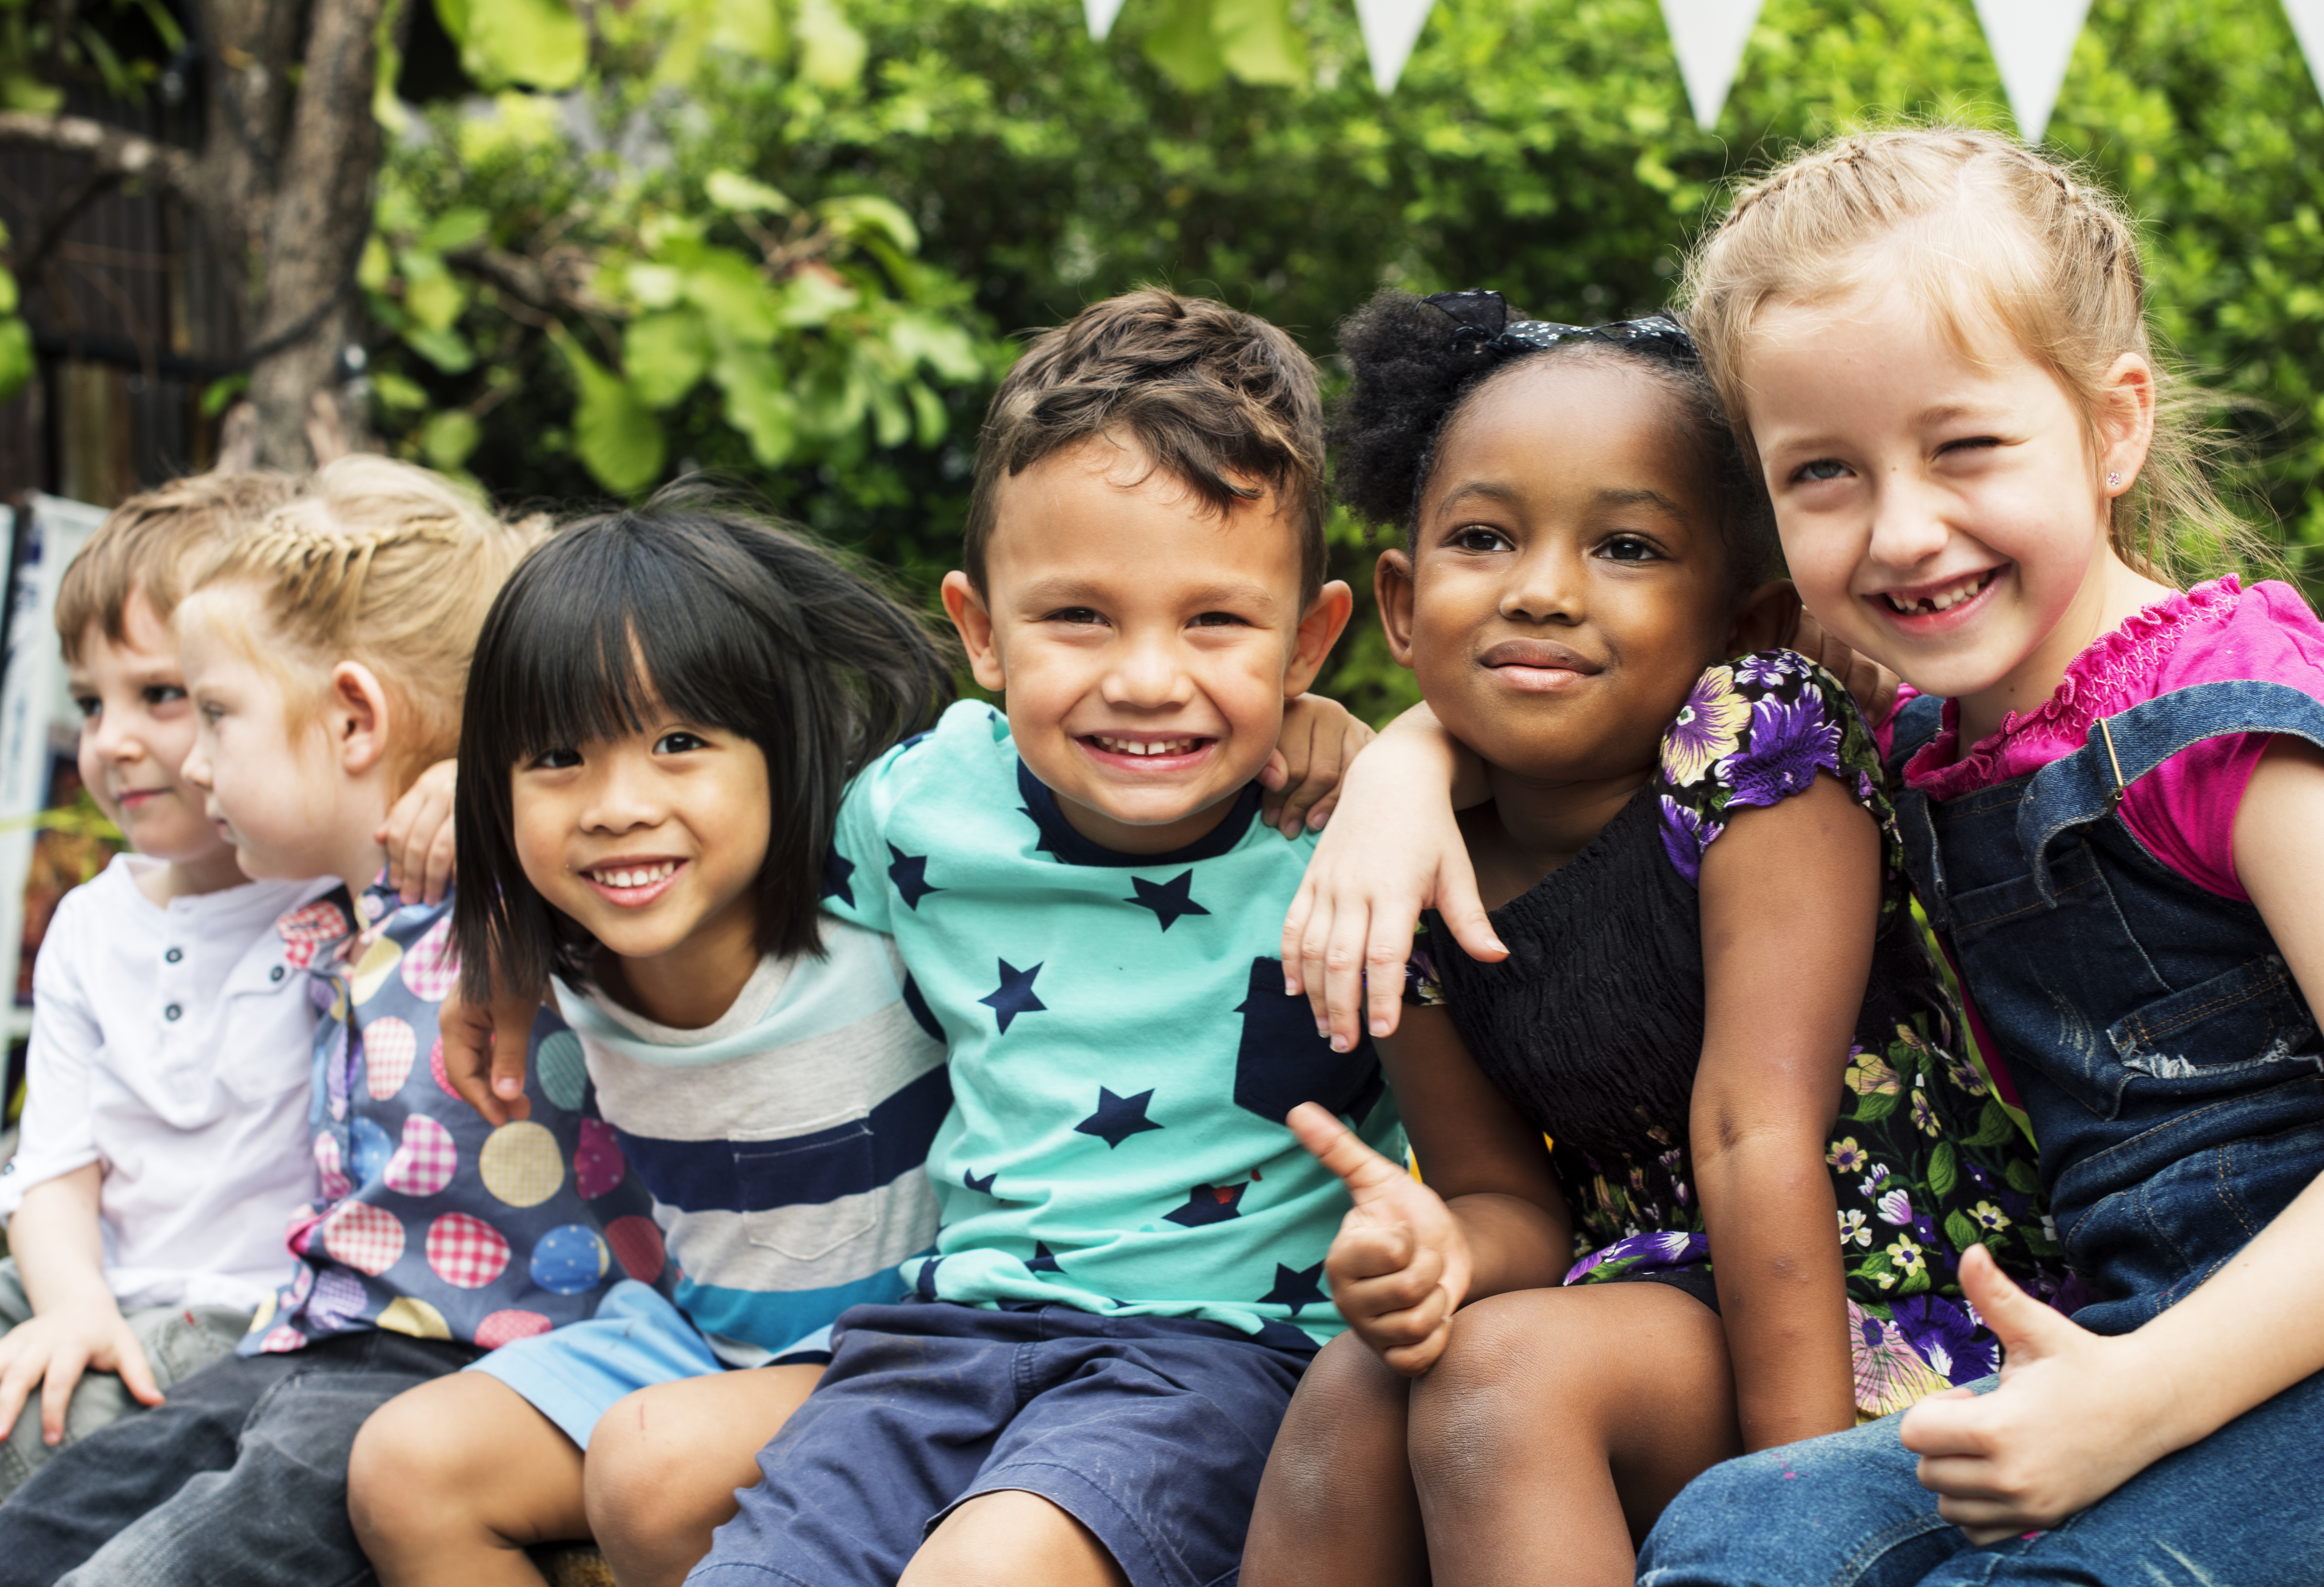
{"type": "Point", "coordinates": [1118, 1118]}
{"type": "Point", "coordinates": [1296, 1287]}
{"type": "Point", "coordinates": [981, 1186]}
{"type": "Point", "coordinates": [1170, 900]}
{"type": "Point", "coordinates": [1209, 1204]}
{"type": "Point", "coordinates": [1044, 1259]}
{"type": "Point", "coordinates": [1014, 996]}
{"type": "Point", "coordinates": [910, 875]}
{"type": "Point", "coordinates": [836, 869]}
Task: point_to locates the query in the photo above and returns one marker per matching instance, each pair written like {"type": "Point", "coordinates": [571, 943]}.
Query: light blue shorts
{"type": "Point", "coordinates": [573, 1375]}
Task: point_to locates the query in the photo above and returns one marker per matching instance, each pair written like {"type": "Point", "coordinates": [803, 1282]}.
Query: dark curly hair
{"type": "Point", "coordinates": [1417, 366]}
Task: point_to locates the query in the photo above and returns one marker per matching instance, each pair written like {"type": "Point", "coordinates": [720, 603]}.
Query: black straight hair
{"type": "Point", "coordinates": [726, 617]}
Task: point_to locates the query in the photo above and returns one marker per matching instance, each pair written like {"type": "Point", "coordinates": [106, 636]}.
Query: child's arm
{"type": "Point", "coordinates": [1319, 741]}
{"type": "Point", "coordinates": [417, 836]}
{"type": "Point", "coordinates": [1790, 902]}
{"type": "Point", "coordinates": [76, 1325]}
{"type": "Point", "coordinates": [485, 1051]}
{"type": "Point", "coordinates": [2080, 1414]}
{"type": "Point", "coordinates": [1392, 850]}
{"type": "Point", "coordinates": [1489, 1219]}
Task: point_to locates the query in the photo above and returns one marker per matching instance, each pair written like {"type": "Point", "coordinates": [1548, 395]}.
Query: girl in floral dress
{"type": "Point", "coordinates": [1716, 1002]}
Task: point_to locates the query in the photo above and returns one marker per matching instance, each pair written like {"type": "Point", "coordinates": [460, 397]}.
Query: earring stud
{"type": "Point", "coordinates": [2114, 479]}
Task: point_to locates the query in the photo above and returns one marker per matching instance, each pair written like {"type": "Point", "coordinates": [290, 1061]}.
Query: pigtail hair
{"type": "Point", "coordinates": [1411, 370]}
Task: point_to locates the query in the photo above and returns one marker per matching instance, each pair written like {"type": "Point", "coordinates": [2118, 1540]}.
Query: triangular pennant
{"type": "Point", "coordinates": [1100, 15]}
{"type": "Point", "coordinates": [2308, 22]}
{"type": "Point", "coordinates": [1391, 28]}
{"type": "Point", "coordinates": [1709, 36]}
{"type": "Point", "coordinates": [2033, 41]}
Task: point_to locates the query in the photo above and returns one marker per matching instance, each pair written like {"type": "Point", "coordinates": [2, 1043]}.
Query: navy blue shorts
{"type": "Point", "coordinates": [1151, 1432]}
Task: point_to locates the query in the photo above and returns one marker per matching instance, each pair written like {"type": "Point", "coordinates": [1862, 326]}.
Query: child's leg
{"type": "Point", "coordinates": [450, 1482]}
{"type": "Point", "coordinates": [1042, 1544]}
{"type": "Point", "coordinates": [1559, 1423]}
{"type": "Point", "coordinates": [1337, 1503]}
{"type": "Point", "coordinates": [664, 1464]}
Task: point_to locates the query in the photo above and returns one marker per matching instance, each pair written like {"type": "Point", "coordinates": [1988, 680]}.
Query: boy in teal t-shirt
{"type": "Point", "coordinates": [1129, 1279]}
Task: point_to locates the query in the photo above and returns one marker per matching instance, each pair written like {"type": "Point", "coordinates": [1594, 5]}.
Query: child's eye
{"type": "Point", "coordinates": [1076, 614]}
{"type": "Point", "coordinates": [1822, 468]}
{"type": "Point", "coordinates": [556, 760]}
{"type": "Point", "coordinates": [1476, 537]}
{"type": "Point", "coordinates": [211, 712]}
{"type": "Point", "coordinates": [678, 744]}
{"type": "Point", "coordinates": [1971, 444]}
{"type": "Point", "coordinates": [1629, 547]}
{"type": "Point", "coordinates": [163, 694]}
{"type": "Point", "coordinates": [1218, 620]}
{"type": "Point", "coordinates": [88, 706]}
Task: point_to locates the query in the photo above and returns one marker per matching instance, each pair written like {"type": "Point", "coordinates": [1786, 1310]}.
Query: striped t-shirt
{"type": "Point", "coordinates": [786, 1145]}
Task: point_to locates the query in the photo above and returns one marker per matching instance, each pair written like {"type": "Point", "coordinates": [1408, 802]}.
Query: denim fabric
{"type": "Point", "coordinates": [2175, 1083]}
{"type": "Point", "coordinates": [1149, 1431]}
{"type": "Point", "coordinates": [1848, 1511]}
{"type": "Point", "coordinates": [240, 1479]}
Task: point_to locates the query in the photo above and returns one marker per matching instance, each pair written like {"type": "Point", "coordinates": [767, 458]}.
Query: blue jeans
{"type": "Point", "coordinates": [239, 1480]}
{"type": "Point", "coordinates": [2238, 1509]}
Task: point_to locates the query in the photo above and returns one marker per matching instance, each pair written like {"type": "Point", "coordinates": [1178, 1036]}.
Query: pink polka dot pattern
{"type": "Point", "coordinates": [388, 1046]}
{"type": "Point", "coordinates": [466, 1252]}
{"type": "Point", "coordinates": [366, 1238]}
{"type": "Point", "coordinates": [637, 1245]}
{"type": "Point", "coordinates": [334, 1182]}
{"type": "Point", "coordinates": [504, 1328]}
{"type": "Point", "coordinates": [299, 1228]}
{"type": "Point", "coordinates": [337, 1301]}
{"type": "Point", "coordinates": [431, 966]}
{"type": "Point", "coordinates": [303, 929]}
{"type": "Point", "coordinates": [301, 1285]}
{"type": "Point", "coordinates": [283, 1338]}
{"type": "Point", "coordinates": [425, 1161]}
{"type": "Point", "coordinates": [598, 1166]}
{"type": "Point", "coordinates": [436, 1067]}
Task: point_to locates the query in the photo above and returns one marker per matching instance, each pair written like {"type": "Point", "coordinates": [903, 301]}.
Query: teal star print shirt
{"type": "Point", "coordinates": [1122, 1053]}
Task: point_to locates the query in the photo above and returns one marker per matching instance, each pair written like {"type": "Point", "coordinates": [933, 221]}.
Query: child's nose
{"type": "Point", "coordinates": [1145, 672]}
{"type": "Point", "coordinates": [1908, 526]}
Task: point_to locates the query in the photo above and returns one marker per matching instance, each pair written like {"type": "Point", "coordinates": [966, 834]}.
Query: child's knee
{"type": "Point", "coordinates": [406, 1474]}
{"type": "Point", "coordinates": [1486, 1390]}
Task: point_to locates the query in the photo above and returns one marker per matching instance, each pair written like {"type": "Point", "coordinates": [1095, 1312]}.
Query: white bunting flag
{"type": "Point", "coordinates": [1100, 15]}
{"type": "Point", "coordinates": [1708, 37]}
{"type": "Point", "coordinates": [2033, 41]}
{"type": "Point", "coordinates": [2308, 22]}
{"type": "Point", "coordinates": [1391, 28]}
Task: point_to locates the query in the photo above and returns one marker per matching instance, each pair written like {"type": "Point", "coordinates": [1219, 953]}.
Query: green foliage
{"type": "Point", "coordinates": [963, 168]}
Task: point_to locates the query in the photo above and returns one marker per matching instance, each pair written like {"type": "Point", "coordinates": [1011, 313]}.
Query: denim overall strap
{"type": "Point", "coordinates": [2088, 784]}
{"type": "Point", "coordinates": [1917, 722]}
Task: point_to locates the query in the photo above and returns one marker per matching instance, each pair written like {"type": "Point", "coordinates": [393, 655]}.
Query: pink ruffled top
{"type": "Point", "coordinates": [2184, 811]}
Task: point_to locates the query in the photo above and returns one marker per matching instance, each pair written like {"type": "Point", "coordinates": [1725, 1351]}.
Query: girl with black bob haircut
{"type": "Point", "coordinates": [697, 603]}
{"type": "Point", "coordinates": [663, 712]}
{"type": "Point", "coordinates": [1766, 1146]}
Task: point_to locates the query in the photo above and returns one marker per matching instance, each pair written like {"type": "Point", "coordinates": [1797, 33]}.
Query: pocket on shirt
{"type": "Point", "coordinates": [255, 1065]}
{"type": "Point", "coordinates": [805, 1195]}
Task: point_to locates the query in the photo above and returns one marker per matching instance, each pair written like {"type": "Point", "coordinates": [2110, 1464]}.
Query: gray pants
{"type": "Point", "coordinates": [177, 1341]}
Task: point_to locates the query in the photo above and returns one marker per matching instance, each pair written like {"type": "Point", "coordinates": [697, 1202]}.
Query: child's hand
{"type": "Point", "coordinates": [1393, 850]}
{"type": "Point", "coordinates": [1319, 739]}
{"type": "Point", "coordinates": [2066, 1427]}
{"type": "Point", "coordinates": [484, 1050]}
{"type": "Point", "coordinates": [1401, 1265]}
{"type": "Point", "coordinates": [418, 834]}
{"type": "Point", "coordinates": [1872, 685]}
{"type": "Point", "coordinates": [52, 1351]}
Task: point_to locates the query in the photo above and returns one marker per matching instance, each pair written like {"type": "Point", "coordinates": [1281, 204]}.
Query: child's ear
{"type": "Point", "coordinates": [1765, 621]}
{"type": "Point", "coordinates": [973, 622]}
{"type": "Point", "coordinates": [1392, 591]}
{"type": "Point", "coordinates": [2126, 423]}
{"type": "Point", "coordinates": [357, 715]}
{"type": "Point", "coordinates": [1319, 630]}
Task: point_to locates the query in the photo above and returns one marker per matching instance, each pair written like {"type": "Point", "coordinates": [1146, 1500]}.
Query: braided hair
{"type": "Point", "coordinates": [1420, 361]}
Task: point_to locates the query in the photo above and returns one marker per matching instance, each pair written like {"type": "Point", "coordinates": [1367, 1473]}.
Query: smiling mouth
{"type": "Point", "coordinates": [1145, 747]}
{"type": "Point", "coordinates": [629, 878]}
{"type": "Point", "coordinates": [1943, 598]}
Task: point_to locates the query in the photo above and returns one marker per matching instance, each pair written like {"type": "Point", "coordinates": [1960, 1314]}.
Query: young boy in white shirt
{"type": "Point", "coordinates": [164, 1139]}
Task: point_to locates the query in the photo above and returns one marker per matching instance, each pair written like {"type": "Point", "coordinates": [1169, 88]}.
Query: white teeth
{"type": "Point", "coordinates": [1129, 746]}
{"type": "Point", "coordinates": [637, 876]}
{"type": "Point", "coordinates": [1944, 600]}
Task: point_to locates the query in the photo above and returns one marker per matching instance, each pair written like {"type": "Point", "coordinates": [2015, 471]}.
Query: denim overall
{"type": "Point", "coordinates": [2175, 1082]}
{"type": "Point", "coordinates": [2168, 1063]}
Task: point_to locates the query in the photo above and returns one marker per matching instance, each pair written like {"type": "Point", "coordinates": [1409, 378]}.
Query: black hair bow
{"type": "Point", "coordinates": [1481, 318]}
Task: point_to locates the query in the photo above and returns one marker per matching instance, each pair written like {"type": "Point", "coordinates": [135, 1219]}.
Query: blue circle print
{"type": "Point", "coordinates": [369, 1148]}
{"type": "Point", "coordinates": [569, 1260]}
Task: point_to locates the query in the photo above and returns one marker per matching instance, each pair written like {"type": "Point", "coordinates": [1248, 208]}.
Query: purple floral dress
{"type": "Point", "coordinates": [1594, 1025]}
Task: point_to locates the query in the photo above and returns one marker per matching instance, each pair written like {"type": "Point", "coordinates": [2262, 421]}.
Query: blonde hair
{"type": "Point", "coordinates": [150, 543]}
{"type": "Point", "coordinates": [1974, 226]}
{"type": "Point", "coordinates": [386, 564]}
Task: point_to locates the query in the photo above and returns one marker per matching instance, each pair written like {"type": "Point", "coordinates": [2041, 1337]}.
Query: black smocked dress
{"type": "Point", "coordinates": [1594, 1024]}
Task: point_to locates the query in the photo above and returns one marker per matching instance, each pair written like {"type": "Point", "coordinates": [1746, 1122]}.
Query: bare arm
{"type": "Point", "coordinates": [76, 1325]}
{"type": "Point", "coordinates": [2080, 1414]}
{"type": "Point", "coordinates": [1790, 899]}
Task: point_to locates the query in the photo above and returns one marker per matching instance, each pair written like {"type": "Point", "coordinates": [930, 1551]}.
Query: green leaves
{"type": "Point", "coordinates": [540, 43]}
{"type": "Point", "coordinates": [1198, 42]}
{"type": "Point", "coordinates": [617, 437]}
